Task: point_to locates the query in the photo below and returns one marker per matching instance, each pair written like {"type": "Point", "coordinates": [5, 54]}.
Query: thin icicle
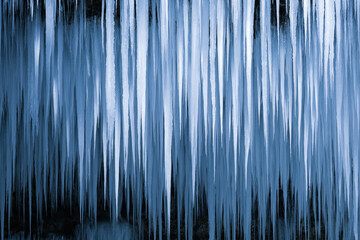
{"type": "Point", "coordinates": [186, 46]}
{"type": "Point", "coordinates": [125, 78]}
{"type": "Point", "coordinates": [249, 30]}
{"type": "Point", "coordinates": [220, 25]}
{"type": "Point", "coordinates": [205, 62]}
{"type": "Point", "coordinates": [110, 68]}
{"type": "Point", "coordinates": [306, 7]}
{"type": "Point", "coordinates": [236, 9]}
{"type": "Point", "coordinates": [320, 21]}
{"type": "Point", "coordinates": [194, 90]}
{"type": "Point", "coordinates": [117, 158]}
{"type": "Point", "coordinates": [109, 83]}
{"type": "Point", "coordinates": [168, 115]}
{"type": "Point", "coordinates": [212, 69]}
{"type": "Point", "coordinates": [329, 43]}
{"type": "Point", "coordinates": [265, 38]}
{"type": "Point", "coordinates": [167, 93]}
{"type": "Point", "coordinates": [180, 62]}
{"type": "Point", "coordinates": [142, 8]}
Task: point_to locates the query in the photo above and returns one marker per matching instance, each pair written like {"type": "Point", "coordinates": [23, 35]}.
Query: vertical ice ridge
{"type": "Point", "coordinates": [194, 88]}
{"type": "Point", "coordinates": [293, 33]}
{"type": "Point", "coordinates": [180, 60]}
{"type": "Point", "coordinates": [329, 44]}
{"type": "Point", "coordinates": [110, 69]}
{"type": "Point", "coordinates": [167, 94]}
{"type": "Point", "coordinates": [109, 86]}
{"type": "Point", "coordinates": [142, 8]}
{"type": "Point", "coordinates": [320, 22]}
{"type": "Point", "coordinates": [117, 141]}
{"type": "Point", "coordinates": [167, 140]}
{"type": "Point", "coordinates": [236, 104]}
{"type": "Point", "coordinates": [186, 46]}
{"type": "Point", "coordinates": [307, 29]}
{"type": "Point", "coordinates": [35, 91]}
{"type": "Point", "coordinates": [265, 39]}
{"type": "Point", "coordinates": [220, 30]}
{"type": "Point", "coordinates": [132, 26]}
{"type": "Point", "coordinates": [117, 156]}
{"type": "Point", "coordinates": [205, 63]}
{"type": "Point", "coordinates": [248, 25]}
{"type": "Point", "coordinates": [212, 70]}
{"type": "Point", "coordinates": [125, 78]}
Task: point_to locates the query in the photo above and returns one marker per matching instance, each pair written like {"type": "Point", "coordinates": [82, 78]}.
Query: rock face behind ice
{"type": "Point", "coordinates": [106, 230]}
{"type": "Point", "coordinates": [176, 109]}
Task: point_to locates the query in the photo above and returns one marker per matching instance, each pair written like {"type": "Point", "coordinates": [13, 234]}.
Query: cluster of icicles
{"type": "Point", "coordinates": [199, 96]}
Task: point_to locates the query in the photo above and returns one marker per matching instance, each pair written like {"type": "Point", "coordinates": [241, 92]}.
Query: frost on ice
{"type": "Point", "coordinates": [183, 110]}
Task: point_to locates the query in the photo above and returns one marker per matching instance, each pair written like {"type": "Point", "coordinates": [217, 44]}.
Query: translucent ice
{"type": "Point", "coordinates": [242, 113]}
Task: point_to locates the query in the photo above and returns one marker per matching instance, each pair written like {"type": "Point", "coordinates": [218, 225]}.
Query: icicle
{"type": "Point", "coordinates": [117, 157]}
{"type": "Point", "coordinates": [142, 9]}
{"type": "Point", "coordinates": [167, 94]}
{"type": "Point", "coordinates": [248, 25]}
{"type": "Point", "coordinates": [338, 27]}
{"type": "Point", "coordinates": [205, 63]}
{"type": "Point", "coordinates": [110, 68]}
{"type": "Point", "coordinates": [220, 25]}
{"type": "Point", "coordinates": [320, 22]}
{"type": "Point", "coordinates": [194, 90]}
{"type": "Point", "coordinates": [102, 23]}
{"type": "Point", "coordinates": [97, 91]}
{"type": "Point", "coordinates": [329, 44]}
{"type": "Point", "coordinates": [132, 26]}
{"type": "Point", "coordinates": [355, 153]}
{"type": "Point", "coordinates": [306, 7]}
{"type": "Point", "coordinates": [31, 9]}
{"type": "Point", "coordinates": [168, 115]}
{"type": "Point", "coordinates": [117, 145]}
{"type": "Point", "coordinates": [80, 100]}
{"type": "Point", "coordinates": [50, 21]}
{"type": "Point", "coordinates": [293, 31]}
{"type": "Point", "coordinates": [236, 8]}
{"type": "Point", "coordinates": [35, 97]}
{"type": "Point", "coordinates": [186, 46]}
{"type": "Point", "coordinates": [265, 38]}
{"type": "Point", "coordinates": [109, 85]}
{"type": "Point", "coordinates": [180, 62]}
{"type": "Point", "coordinates": [125, 78]}
{"type": "Point", "coordinates": [345, 149]}
{"type": "Point", "coordinates": [212, 70]}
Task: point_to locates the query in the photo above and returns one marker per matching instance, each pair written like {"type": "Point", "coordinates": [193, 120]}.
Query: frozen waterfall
{"type": "Point", "coordinates": [245, 113]}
